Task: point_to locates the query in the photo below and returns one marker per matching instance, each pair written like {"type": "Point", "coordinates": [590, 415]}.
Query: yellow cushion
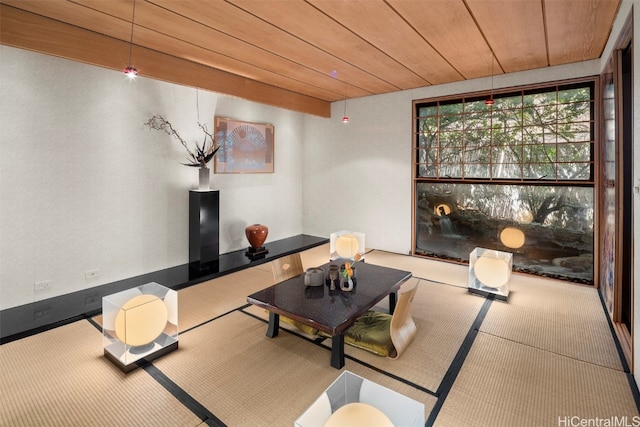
{"type": "Point", "coordinates": [310, 330]}
{"type": "Point", "coordinates": [371, 332]}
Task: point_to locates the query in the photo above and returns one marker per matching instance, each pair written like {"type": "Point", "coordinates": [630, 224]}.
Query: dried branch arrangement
{"type": "Point", "coordinates": [202, 153]}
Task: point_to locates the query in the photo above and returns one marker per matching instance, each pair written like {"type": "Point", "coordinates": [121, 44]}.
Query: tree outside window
{"type": "Point", "coordinates": [526, 163]}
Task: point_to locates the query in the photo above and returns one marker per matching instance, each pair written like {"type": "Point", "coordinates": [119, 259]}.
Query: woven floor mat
{"type": "Point", "coordinates": [205, 301]}
{"type": "Point", "coordinates": [503, 383]}
{"type": "Point", "coordinates": [437, 271]}
{"type": "Point", "coordinates": [248, 379]}
{"type": "Point", "coordinates": [563, 318]}
{"type": "Point", "coordinates": [208, 300]}
{"type": "Point", "coordinates": [61, 378]}
{"type": "Point", "coordinates": [443, 314]}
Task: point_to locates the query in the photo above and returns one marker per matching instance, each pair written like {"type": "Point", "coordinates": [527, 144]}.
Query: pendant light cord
{"type": "Point", "coordinates": [345, 99]}
{"type": "Point", "coordinates": [133, 17]}
{"type": "Point", "coordinates": [492, 58]}
{"type": "Point", "coordinates": [197, 105]}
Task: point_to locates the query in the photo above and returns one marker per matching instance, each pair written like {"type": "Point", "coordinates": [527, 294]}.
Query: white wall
{"type": "Point", "coordinates": [83, 185]}
{"type": "Point", "coordinates": [358, 176]}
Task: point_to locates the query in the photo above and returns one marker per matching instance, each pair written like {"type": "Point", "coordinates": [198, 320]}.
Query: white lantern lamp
{"type": "Point", "coordinates": [346, 245]}
{"type": "Point", "coordinates": [139, 325]}
{"type": "Point", "coordinates": [490, 272]}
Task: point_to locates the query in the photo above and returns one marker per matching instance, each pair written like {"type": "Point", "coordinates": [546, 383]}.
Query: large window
{"type": "Point", "coordinates": [517, 176]}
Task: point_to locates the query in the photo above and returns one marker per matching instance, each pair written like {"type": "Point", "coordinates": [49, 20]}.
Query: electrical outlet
{"type": "Point", "coordinates": [92, 274]}
{"type": "Point", "coordinates": [42, 286]}
{"type": "Point", "coordinates": [42, 313]}
{"type": "Point", "coordinates": [92, 300]}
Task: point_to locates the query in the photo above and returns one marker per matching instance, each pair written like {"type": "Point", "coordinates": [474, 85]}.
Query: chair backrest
{"type": "Point", "coordinates": [286, 267]}
{"type": "Point", "coordinates": [403, 328]}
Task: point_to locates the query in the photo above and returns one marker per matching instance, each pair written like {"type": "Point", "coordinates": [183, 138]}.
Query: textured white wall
{"type": "Point", "coordinates": [83, 185]}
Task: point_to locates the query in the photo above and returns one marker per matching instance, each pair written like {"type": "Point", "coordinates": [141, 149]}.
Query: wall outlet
{"type": "Point", "coordinates": [92, 274]}
{"type": "Point", "coordinates": [42, 313]}
{"type": "Point", "coordinates": [42, 286]}
{"type": "Point", "coordinates": [92, 300]}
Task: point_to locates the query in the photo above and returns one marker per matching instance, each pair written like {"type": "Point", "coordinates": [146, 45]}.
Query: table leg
{"type": "Point", "coordinates": [274, 324]}
{"type": "Point", "coordinates": [337, 351]}
{"type": "Point", "coordinates": [393, 297]}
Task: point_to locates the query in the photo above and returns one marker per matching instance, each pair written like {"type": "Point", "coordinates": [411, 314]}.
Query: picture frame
{"type": "Point", "coordinates": [245, 147]}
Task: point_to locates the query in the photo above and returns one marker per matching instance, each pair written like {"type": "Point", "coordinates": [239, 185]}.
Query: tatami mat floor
{"type": "Point", "coordinates": [545, 356]}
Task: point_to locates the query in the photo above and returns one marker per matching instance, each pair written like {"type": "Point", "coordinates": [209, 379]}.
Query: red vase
{"type": "Point", "coordinates": [256, 234]}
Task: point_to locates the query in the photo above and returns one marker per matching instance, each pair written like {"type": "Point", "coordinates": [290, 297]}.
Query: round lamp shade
{"type": "Point", "coordinates": [512, 237]}
{"type": "Point", "coordinates": [492, 272]}
{"type": "Point", "coordinates": [442, 209]}
{"type": "Point", "coordinates": [358, 415]}
{"type": "Point", "coordinates": [141, 320]}
{"type": "Point", "coordinates": [347, 246]}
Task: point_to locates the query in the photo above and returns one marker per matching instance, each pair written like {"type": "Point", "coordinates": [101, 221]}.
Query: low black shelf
{"type": "Point", "coordinates": [19, 322]}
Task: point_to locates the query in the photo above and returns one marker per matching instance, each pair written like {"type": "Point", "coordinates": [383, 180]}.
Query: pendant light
{"type": "Point", "coordinates": [131, 71]}
{"type": "Point", "coordinates": [489, 101]}
{"type": "Point", "coordinates": [345, 118]}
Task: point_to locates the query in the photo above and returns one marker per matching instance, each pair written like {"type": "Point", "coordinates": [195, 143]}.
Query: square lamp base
{"type": "Point", "coordinates": [148, 358]}
{"type": "Point", "coordinates": [489, 295]}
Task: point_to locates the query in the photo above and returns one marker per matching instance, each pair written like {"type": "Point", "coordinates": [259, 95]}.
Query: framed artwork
{"type": "Point", "coordinates": [245, 147]}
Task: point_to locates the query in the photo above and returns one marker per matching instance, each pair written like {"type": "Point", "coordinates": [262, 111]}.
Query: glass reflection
{"type": "Point", "coordinates": [549, 229]}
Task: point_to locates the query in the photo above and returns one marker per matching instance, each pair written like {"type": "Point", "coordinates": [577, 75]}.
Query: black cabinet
{"type": "Point", "coordinates": [204, 228]}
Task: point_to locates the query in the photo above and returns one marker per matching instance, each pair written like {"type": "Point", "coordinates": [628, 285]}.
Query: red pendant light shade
{"type": "Point", "coordinates": [345, 118]}
{"type": "Point", "coordinates": [131, 72]}
{"type": "Point", "coordinates": [489, 101]}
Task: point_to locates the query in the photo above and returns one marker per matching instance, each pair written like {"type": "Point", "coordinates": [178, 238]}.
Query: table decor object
{"type": "Point", "coordinates": [314, 277]}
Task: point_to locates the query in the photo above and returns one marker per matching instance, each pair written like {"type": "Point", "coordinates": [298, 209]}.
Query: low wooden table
{"type": "Point", "coordinates": [330, 311]}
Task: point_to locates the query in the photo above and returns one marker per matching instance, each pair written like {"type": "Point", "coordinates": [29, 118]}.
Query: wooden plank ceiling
{"type": "Point", "coordinates": [304, 54]}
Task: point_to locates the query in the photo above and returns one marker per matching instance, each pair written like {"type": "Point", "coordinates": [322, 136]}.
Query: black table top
{"type": "Point", "coordinates": [330, 311]}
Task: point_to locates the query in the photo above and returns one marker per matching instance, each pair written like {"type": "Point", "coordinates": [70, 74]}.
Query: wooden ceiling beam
{"type": "Point", "coordinates": [29, 31]}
